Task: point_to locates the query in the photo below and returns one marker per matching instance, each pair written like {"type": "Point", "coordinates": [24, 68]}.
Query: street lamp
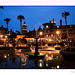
{"type": "Point", "coordinates": [1, 36]}
{"type": "Point", "coordinates": [6, 36]}
{"type": "Point", "coordinates": [57, 32]}
{"type": "Point", "coordinates": [40, 33]}
{"type": "Point", "coordinates": [50, 40]}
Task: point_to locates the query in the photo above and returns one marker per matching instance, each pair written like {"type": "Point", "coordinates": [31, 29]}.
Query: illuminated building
{"type": "Point", "coordinates": [58, 33]}
{"type": "Point", "coordinates": [39, 31]}
{"type": "Point", "coordinates": [24, 29]}
{"type": "Point", "coordinates": [51, 33]}
{"type": "Point", "coordinates": [3, 30]}
{"type": "Point", "coordinates": [31, 34]}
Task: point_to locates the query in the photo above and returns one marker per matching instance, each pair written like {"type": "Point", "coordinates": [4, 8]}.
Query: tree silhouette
{"type": "Point", "coordinates": [7, 20]}
{"type": "Point", "coordinates": [65, 14]}
{"type": "Point", "coordinates": [1, 7]}
{"type": "Point", "coordinates": [20, 17]}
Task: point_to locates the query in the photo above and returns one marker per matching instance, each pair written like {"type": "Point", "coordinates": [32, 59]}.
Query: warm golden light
{"type": "Point", "coordinates": [41, 33]}
{"type": "Point", "coordinates": [57, 32]}
{"type": "Point", "coordinates": [10, 45]}
{"type": "Point", "coordinates": [58, 66]}
{"type": "Point", "coordinates": [46, 64]}
{"type": "Point", "coordinates": [50, 40]}
{"type": "Point", "coordinates": [52, 55]}
{"type": "Point", "coordinates": [40, 64]}
{"type": "Point", "coordinates": [46, 55]}
{"type": "Point", "coordinates": [50, 52]}
{"type": "Point", "coordinates": [50, 58]}
{"type": "Point", "coordinates": [5, 36]}
{"type": "Point", "coordinates": [5, 56]}
{"type": "Point", "coordinates": [1, 36]}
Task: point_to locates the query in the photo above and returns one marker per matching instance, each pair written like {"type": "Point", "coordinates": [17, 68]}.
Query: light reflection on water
{"type": "Point", "coordinates": [52, 60]}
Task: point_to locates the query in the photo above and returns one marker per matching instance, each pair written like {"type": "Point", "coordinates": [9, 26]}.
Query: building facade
{"type": "Point", "coordinates": [51, 33]}
{"type": "Point", "coordinates": [58, 33]}
{"type": "Point", "coordinates": [3, 30]}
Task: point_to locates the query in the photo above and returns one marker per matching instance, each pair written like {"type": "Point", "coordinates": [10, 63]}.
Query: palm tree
{"type": "Point", "coordinates": [20, 17]}
{"type": "Point", "coordinates": [65, 14]}
{"type": "Point", "coordinates": [7, 20]}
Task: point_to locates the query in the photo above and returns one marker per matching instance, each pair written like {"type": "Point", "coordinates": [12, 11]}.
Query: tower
{"type": "Point", "coordinates": [53, 22]}
{"type": "Point", "coordinates": [24, 29]}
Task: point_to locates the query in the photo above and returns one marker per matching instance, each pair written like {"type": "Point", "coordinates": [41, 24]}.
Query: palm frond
{"type": "Point", "coordinates": [62, 14]}
{"type": "Point", "coordinates": [7, 19]}
{"type": "Point", "coordinates": [20, 17]}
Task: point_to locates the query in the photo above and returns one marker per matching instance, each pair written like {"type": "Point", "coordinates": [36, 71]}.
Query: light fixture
{"type": "Point", "coordinates": [47, 26]}
{"type": "Point", "coordinates": [57, 32]}
{"type": "Point", "coordinates": [41, 33]}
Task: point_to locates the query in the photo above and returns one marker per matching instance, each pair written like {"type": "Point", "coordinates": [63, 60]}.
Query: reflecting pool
{"type": "Point", "coordinates": [20, 60]}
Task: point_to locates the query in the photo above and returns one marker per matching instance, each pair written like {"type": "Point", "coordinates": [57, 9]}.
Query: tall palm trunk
{"type": "Point", "coordinates": [66, 20]}
{"type": "Point", "coordinates": [66, 27]}
{"type": "Point", "coordinates": [20, 26]}
{"type": "Point", "coordinates": [7, 25]}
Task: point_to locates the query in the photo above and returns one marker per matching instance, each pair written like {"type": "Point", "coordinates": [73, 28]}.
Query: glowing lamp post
{"type": "Point", "coordinates": [57, 32]}
{"type": "Point", "coordinates": [50, 40]}
{"type": "Point", "coordinates": [6, 36]}
{"type": "Point", "coordinates": [1, 36]}
{"type": "Point", "coordinates": [40, 33]}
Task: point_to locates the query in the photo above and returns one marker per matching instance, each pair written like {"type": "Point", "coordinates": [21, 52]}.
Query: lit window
{"type": "Point", "coordinates": [46, 26]}
{"type": "Point", "coordinates": [51, 35]}
{"type": "Point", "coordinates": [46, 35]}
{"type": "Point", "coordinates": [64, 39]}
{"type": "Point", "coordinates": [57, 26]}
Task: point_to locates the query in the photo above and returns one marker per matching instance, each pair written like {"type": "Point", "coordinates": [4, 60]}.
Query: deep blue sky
{"type": "Point", "coordinates": [35, 15]}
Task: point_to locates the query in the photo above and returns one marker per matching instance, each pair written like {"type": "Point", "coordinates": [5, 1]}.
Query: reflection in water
{"type": "Point", "coordinates": [46, 64]}
{"type": "Point", "coordinates": [52, 60]}
{"type": "Point", "coordinates": [5, 56]}
{"type": "Point", "coordinates": [8, 55]}
{"type": "Point", "coordinates": [57, 57]}
{"type": "Point", "coordinates": [40, 63]}
{"type": "Point", "coordinates": [57, 66]}
{"type": "Point", "coordinates": [23, 60]}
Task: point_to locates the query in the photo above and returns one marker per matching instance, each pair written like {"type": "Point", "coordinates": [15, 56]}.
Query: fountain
{"type": "Point", "coordinates": [36, 55]}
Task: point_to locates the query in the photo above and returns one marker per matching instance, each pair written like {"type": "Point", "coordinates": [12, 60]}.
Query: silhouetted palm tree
{"type": "Point", "coordinates": [7, 20]}
{"type": "Point", "coordinates": [20, 17]}
{"type": "Point", "coordinates": [65, 14]}
{"type": "Point", "coordinates": [1, 7]}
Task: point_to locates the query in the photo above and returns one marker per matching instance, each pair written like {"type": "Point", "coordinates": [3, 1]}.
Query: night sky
{"type": "Point", "coordinates": [35, 16]}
